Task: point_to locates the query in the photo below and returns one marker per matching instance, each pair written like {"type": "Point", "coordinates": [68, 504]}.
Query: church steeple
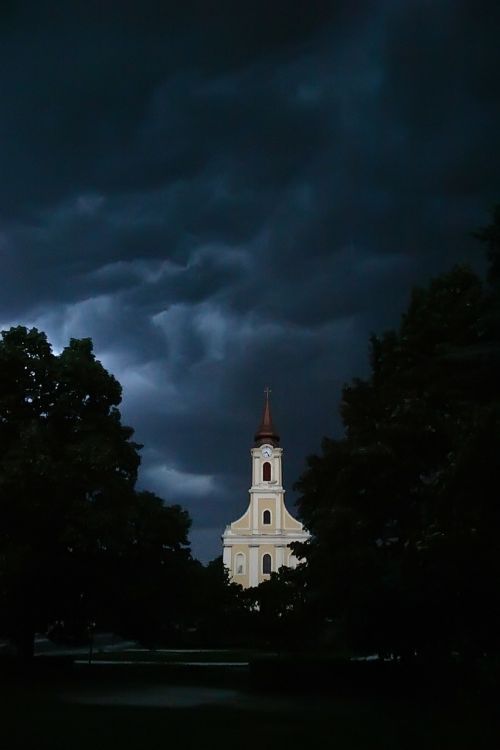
{"type": "Point", "coordinates": [258, 542]}
{"type": "Point", "coordinates": [267, 432]}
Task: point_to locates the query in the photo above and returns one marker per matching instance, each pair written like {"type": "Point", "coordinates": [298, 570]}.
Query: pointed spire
{"type": "Point", "coordinates": [267, 432]}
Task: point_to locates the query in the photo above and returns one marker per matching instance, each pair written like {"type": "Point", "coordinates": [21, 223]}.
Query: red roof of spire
{"type": "Point", "coordinates": [267, 432]}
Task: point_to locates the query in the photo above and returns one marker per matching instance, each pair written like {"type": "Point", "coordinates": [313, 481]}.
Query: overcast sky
{"type": "Point", "coordinates": [229, 195]}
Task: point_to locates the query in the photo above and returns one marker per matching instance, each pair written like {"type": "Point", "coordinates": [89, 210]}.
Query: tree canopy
{"type": "Point", "coordinates": [403, 508]}
{"type": "Point", "coordinates": [75, 535]}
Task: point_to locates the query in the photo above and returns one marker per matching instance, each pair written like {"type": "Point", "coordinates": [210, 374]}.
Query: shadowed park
{"type": "Point", "coordinates": [126, 706]}
{"type": "Point", "coordinates": [387, 633]}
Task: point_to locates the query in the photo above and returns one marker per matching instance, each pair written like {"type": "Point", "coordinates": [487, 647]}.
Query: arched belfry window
{"type": "Point", "coordinates": [266, 517]}
{"type": "Point", "coordinates": [266, 564]}
{"type": "Point", "coordinates": [266, 471]}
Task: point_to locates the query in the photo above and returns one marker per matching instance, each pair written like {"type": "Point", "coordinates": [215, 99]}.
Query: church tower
{"type": "Point", "coordinates": [257, 543]}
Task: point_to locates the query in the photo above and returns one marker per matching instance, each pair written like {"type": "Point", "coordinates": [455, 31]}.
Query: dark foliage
{"type": "Point", "coordinates": [404, 508]}
{"type": "Point", "coordinates": [78, 543]}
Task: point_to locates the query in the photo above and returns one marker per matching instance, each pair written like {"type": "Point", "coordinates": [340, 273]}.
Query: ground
{"type": "Point", "coordinates": [164, 704]}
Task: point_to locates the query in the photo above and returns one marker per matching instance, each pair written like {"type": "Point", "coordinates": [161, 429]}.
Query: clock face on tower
{"type": "Point", "coordinates": [267, 451]}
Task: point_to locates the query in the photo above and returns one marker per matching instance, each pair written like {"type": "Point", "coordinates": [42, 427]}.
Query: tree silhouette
{"type": "Point", "coordinates": [76, 540]}
{"type": "Point", "coordinates": [403, 508]}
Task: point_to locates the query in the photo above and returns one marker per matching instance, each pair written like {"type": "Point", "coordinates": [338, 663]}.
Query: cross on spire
{"type": "Point", "coordinates": [267, 391]}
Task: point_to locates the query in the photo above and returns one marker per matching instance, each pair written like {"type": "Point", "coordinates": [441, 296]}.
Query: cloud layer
{"type": "Point", "coordinates": [226, 196]}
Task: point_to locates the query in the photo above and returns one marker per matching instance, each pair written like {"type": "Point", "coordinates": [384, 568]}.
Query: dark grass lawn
{"type": "Point", "coordinates": [46, 713]}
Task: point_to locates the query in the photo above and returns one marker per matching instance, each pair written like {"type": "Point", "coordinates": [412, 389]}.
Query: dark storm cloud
{"type": "Point", "coordinates": [117, 91]}
{"type": "Point", "coordinates": [225, 195]}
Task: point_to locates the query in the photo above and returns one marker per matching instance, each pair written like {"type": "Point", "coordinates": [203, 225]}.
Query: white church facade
{"type": "Point", "coordinates": [258, 543]}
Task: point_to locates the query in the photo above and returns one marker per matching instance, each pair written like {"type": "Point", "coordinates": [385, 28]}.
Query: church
{"type": "Point", "coordinates": [258, 543]}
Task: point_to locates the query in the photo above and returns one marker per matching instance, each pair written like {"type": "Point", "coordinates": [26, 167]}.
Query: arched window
{"type": "Point", "coordinates": [266, 517]}
{"type": "Point", "coordinates": [240, 564]}
{"type": "Point", "coordinates": [266, 564]}
{"type": "Point", "coordinates": [266, 471]}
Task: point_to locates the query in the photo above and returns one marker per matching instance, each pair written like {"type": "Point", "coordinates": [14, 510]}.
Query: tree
{"type": "Point", "coordinates": [277, 605]}
{"type": "Point", "coordinates": [403, 508]}
{"type": "Point", "coordinates": [141, 585]}
{"type": "Point", "coordinates": [222, 613]}
{"type": "Point", "coordinates": [70, 518]}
